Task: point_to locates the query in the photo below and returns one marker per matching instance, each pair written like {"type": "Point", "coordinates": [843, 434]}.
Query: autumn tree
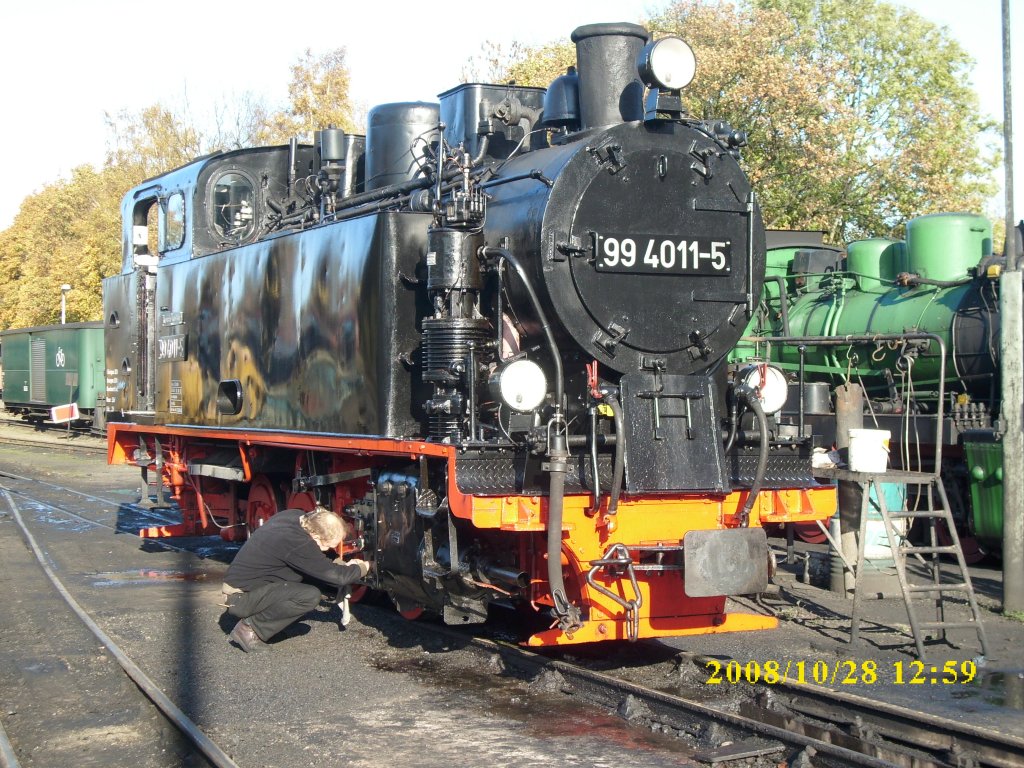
{"type": "Point", "coordinates": [318, 97]}
{"type": "Point", "coordinates": [70, 231]}
{"type": "Point", "coordinates": [905, 123]}
{"type": "Point", "coordinates": [66, 233]}
{"type": "Point", "coordinates": [857, 112]}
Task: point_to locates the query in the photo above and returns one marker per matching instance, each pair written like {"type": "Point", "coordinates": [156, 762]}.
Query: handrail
{"type": "Point", "coordinates": [865, 338]}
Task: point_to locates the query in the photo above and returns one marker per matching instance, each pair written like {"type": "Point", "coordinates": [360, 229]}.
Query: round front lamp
{"type": "Point", "coordinates": [667, 64]}
{"type": "Point", "coordinates": [770, 384]}
{"type": "Point", "coordinates": [521, 385]}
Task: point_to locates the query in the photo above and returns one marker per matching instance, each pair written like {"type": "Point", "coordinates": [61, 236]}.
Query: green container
{"type": "Point", "coordinates": [875, 263]}
{"type": "Point", "coordinates": [863, 299]}
{"type": "Point", "coordinates": [943, 246]}
{"type": "Point", "coordinates": [53, 365]}
{"type": "Point", "coordinates": [985, 472]}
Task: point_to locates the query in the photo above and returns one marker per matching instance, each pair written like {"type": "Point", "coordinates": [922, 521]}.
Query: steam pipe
{"type": "Point", "coordinates": [508, 576]}
{"type": "Point", "coordinates": [558, 455]}
{"type": "Point", "coordinates": [803, 358]}
{"type": "Point", "coordinates": [582, 441]}
{"type": "Point", "coordinates": [500, 313]}
{"type": "Point", "coordinates": [412, 185]}
{"type": "Point", "coordinates": [534, 174]}
{"type": "Point", "coordinates": [549, 336]}
{"type": "Point", "coordinates": [734, 414]}
{"type": "Point", "coordinates": [593, 457]}
{"type": "Point", "coordinates": [395, 190]}
{"type": "Point", "coordinates": [293, 151]}
{"type": "Point", "coordinates": [471, 386]}
{"type": "Point", "coordinates": [780, 280]}
{"type": "Point", "coordinates": [620, 455]}
{"type": "Point", "coordinates": [911, 281]}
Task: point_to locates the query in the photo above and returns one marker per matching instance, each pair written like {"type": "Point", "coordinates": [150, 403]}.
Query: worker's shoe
{"type": "Point", "coordinates": [245, 637]}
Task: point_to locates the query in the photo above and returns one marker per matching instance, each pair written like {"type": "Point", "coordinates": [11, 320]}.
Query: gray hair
{"type": "Point", "coordinates": [323, 524]}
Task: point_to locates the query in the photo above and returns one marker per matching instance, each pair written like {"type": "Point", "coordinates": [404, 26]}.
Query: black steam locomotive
{"type": "Point", "coordinates": [491, 334]}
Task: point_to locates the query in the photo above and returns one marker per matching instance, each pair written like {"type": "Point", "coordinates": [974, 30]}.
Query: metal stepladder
{"type": "Point", "coordinates": [902, 549]}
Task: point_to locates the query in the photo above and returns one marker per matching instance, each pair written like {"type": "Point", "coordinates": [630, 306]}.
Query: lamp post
{"type": "Point", "coordinates": [64, 302]}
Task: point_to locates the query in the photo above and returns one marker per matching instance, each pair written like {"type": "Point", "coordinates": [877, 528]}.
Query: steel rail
{"type": "Point", "coordinates": [65, 489]}
{"type": "Point", "coordinates": [26, 442]}
{"type": "Point", "coordinates": [83, 494]}
{"type": "Point", "coordinates": [203, 743]}
{"type": "Point", "coordinates": [917, 730]}
{"type": "Point", "coordinates": [846, 735]}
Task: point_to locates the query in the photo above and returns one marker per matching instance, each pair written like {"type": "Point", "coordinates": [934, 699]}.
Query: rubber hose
{"type": "Point", "coordinates": [913, 280]}
{"type": "Point", "coordinates": [762, 458]}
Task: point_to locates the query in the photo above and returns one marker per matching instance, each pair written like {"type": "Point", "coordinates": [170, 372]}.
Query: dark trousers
{"type": "Point", "coordinates": [272, 607]}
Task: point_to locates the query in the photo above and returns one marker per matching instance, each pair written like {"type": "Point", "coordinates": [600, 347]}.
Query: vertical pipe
{"type": "Point", "coordinates": [802, 349]}
{"type": "Point", "coordinates": [750, 254]}
{"type": "Point", "coordinates": [849, 415]}
{"type": "Point", "coordinates": [471, 387]}
{"type": "Point", "coordinates": [593, 458]}
{"type": "Point", "coordinates": [293, 151]}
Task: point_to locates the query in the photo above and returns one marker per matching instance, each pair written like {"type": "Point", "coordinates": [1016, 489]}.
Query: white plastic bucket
{"type": "Point", "coordinates": [869, 450]}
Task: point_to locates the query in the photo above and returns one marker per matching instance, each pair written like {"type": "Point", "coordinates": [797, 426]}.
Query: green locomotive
{"type": "Point", "coordinates": [942, 279]}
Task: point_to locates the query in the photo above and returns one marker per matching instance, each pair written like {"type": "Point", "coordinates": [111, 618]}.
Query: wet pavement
{"type": "Point", "coordinates": [375, 693]}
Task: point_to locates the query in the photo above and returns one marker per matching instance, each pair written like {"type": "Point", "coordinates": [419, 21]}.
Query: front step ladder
{"type": "Point", "coordinates": [902, 548]}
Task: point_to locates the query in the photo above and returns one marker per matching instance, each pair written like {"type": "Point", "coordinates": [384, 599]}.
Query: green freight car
{"type": "Point", "coordinates": [54, 367]}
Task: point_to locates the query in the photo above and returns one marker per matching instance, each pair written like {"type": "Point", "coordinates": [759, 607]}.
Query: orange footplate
{"type": "Point", "coordinates": [651, 602]}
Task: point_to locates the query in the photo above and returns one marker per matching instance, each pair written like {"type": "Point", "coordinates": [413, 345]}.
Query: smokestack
{"type": "Point", "coordinates": [610, 89]}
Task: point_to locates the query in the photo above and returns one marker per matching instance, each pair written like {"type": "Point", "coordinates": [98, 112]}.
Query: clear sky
{"type": "Point", "coordinates": [66, 62]}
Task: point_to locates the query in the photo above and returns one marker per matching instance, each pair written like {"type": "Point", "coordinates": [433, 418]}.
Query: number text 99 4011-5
{"type": "Point", "coordinates": [661, 255]}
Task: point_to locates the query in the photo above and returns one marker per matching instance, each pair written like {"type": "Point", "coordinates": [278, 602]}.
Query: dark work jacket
{"type": "Point", "coordinates": [282, 550]}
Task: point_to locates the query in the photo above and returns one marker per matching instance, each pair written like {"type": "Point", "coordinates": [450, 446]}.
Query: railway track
{"type": "Point", "coordinates": [803, 725]}
{"type": "Point", "coordinates": [23, 433]}
{"type": "Point", "coordinates": [211, 753]}
{"type": "Point", "coordinates": [156, 517]}
{"type": "Point", "coordinates": [771, 725]}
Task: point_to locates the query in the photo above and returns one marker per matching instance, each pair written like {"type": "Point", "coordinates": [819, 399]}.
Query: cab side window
{"type": "Point", "coordinates": [172, 221]}
{"type": "Point", "coordinates": [233, 208]}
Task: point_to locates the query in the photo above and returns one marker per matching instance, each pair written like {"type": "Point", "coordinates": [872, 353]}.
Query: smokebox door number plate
{"type": "Point", "coordinates": [661, 255]}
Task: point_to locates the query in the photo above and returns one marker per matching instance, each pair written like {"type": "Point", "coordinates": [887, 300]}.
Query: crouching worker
{"type": "Point", "coordinates": [263, 586]}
